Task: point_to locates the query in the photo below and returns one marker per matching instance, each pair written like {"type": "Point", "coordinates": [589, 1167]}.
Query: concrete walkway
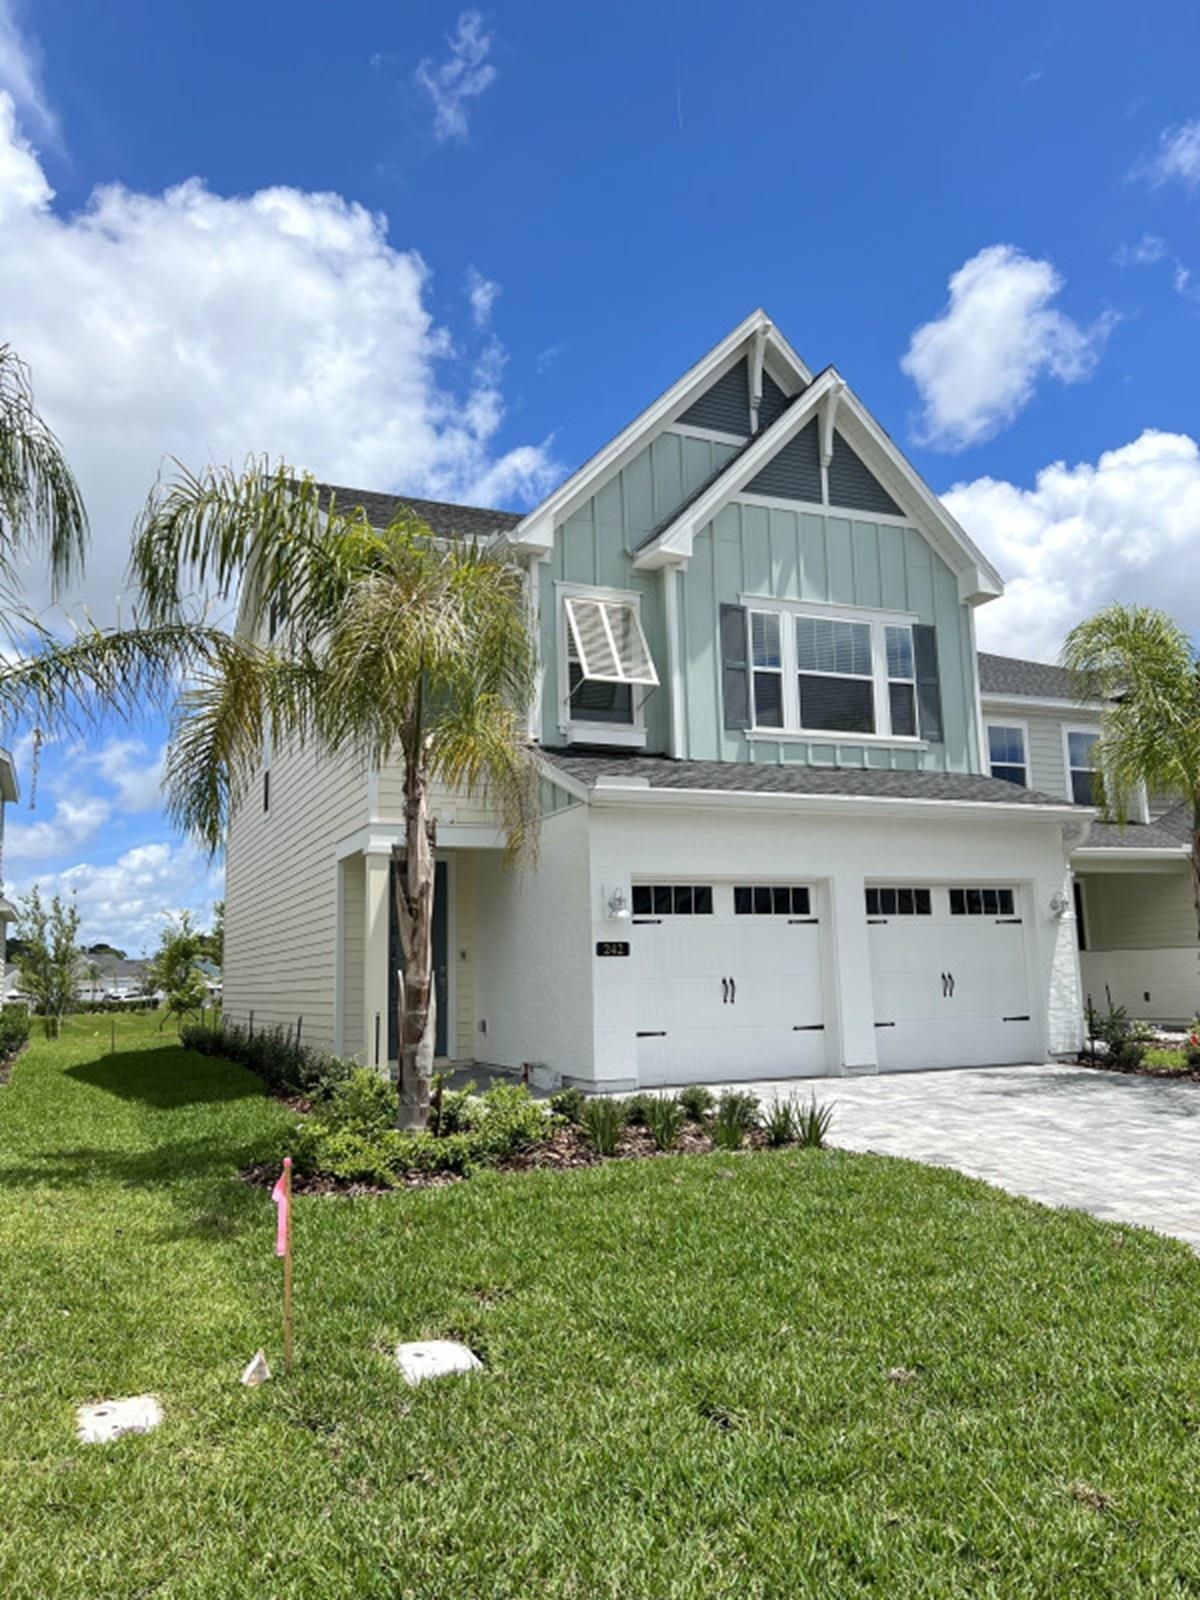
{"type": "Point", "coordinates": [1126, 1149]}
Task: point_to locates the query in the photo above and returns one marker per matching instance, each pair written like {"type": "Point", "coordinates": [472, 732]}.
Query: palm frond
{"type": "Point", "coordinates": [40, 502]}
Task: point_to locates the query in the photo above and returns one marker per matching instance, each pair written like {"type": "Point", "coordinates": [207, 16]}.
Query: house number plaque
{"type": "Point", "coordinates": [613, 947]}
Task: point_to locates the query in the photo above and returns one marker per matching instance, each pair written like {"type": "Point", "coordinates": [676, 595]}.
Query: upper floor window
{"type": "Point", "coordinates": [606, 661]}
{"type": "Point", "coordinates": [1081, 764]}
{"type": "Point", "coordinates": [806, 671]}
{"type": "Point", "coordinates": [1006, 753]}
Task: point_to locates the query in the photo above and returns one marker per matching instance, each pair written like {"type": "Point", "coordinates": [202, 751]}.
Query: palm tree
{"type": "Point", "coordinates": [1145, 670]}
{"type": "Point", "coordinates": [382, 644]}
{"type": "Point", "coordinates": [55, 682]}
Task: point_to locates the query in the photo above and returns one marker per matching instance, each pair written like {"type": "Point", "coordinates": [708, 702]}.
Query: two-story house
{"type": "Point", "coordinates": [773, 842]}
{"type": "Point", "coordinates": [1135, 916]}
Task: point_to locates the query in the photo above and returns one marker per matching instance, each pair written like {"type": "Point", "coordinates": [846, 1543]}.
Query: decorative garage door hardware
{"type": "Point", "coordinates": [947, 986]}
{"type": "Point", "coordinates": [652, 1033]}
{"type": "Point", "coordinates": [1025, 1018]}
{"type": "Point", "coordinates": [729, 991]}
{"type": "Point", "coordinates": [808, 1027]}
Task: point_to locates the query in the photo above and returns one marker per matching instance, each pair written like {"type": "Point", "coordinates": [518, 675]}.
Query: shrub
{"type": "Point", "coordinates": [1125, 1041]}
{"type": "Point", "coordinates": [697, 1101]}
{"type": "Point", "coordinates": [569, 1103]}
{"type": "Point", "coordinates": [737, 1112]}
{"type": "Point", "coordinates": [602, 1123]}
{"type": "Point", "coordinates": [14, 1031]}
{"type": "Point", "coordinates": [812, 1124]}
{"type": "Point", "coordinates": [665, 1118]}
{"type": "Point", "coordinates": [270, 1054]}
{"type": "Point", "coordinates": [637, 1109]}
{"type": "Point", "coordinates": [779, 1123]}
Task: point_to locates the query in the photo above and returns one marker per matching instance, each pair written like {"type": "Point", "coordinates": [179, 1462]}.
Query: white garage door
{"type": "Point", "coordinates": [949, 973]}
{"type": "Point", "coordinates": [728, 981]}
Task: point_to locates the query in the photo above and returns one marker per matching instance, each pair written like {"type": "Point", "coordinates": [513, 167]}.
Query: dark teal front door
{"type": "Point", "coordinates": [440, 967]}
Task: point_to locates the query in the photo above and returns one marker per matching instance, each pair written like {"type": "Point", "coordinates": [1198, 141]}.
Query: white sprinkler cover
{"type": "Point", "coordinates": [435, 1358]}
{"type": "Point", "coordinates": [111, 1419]}
{"type": "Point", "coordinates": [257, 1371]}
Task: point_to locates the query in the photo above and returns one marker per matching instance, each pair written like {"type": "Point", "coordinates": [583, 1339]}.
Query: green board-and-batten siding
{"type": "Point", "coordinates": [831, 559]}
{"type": "Point", "coordinates": [594, 546]}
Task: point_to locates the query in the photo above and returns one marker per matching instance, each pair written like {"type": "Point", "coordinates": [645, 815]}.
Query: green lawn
{"type": "Point", "coordinates": [687, 1393]}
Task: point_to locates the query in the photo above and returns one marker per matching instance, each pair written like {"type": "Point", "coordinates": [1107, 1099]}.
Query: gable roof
{"type": "Point", "coordinates": [444, 517]}
{"type": "Point", "coordinates": [830, 398]}
{"type": "Point", "coordinates": [757, 333]}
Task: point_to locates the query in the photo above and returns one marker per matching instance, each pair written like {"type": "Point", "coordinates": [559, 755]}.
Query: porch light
{"type": "Point", "coordinates": [1059, 904]}
{"type": "Point", "coordinates": [618, 906]}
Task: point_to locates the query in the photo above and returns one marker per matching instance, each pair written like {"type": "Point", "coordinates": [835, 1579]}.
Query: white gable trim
{"type": "Point", "coordinates": [536, 531]}
{"type": "Point", "coordinates": [978, 580]}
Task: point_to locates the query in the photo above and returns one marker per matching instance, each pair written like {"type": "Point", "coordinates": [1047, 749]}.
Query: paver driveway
{"type": "Point", "coordinates": [1125, 1149]}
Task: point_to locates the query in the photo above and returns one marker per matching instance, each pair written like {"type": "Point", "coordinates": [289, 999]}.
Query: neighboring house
{"type": "Point", "coordinates": [771, 843]}
{"type": "Point", "coordinates": [113, 978]}
{"type": "Point", "coordinates": [1133, 899]}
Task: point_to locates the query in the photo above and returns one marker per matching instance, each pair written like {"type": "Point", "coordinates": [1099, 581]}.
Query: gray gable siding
{"type": "Point", "coordinates": [774, 403]}
{"type": "Point", "coordinates": [852, 483]}
{"type": "Point", "coordinates": [793, 473]}
{"type": "Point", "coordinates": [832, 559]}
{"type": "Point", "coordinates": [726, 405]}
{"type": "Point", "coordinates": [594, 546]}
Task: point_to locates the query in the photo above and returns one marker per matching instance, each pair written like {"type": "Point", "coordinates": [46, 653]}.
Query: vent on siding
{"type": "Point", "coordinates": [795, 472]}
{"type": "Point", "coordinates": [726, 406]}
{"type": "Point", "coordinates": [852, 484]}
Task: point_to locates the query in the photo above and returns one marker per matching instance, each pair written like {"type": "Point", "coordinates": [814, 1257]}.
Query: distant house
{"type": "Point", "coordinates": [105, 977]}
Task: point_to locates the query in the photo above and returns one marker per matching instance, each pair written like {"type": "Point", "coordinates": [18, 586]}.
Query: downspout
{"type": "Point", "coordinates": [674, 666]}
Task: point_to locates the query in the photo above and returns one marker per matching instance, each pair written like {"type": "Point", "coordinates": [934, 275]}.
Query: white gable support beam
{"type": "Point", "coordinates": [829, 408]}
{"type": "Point", "coordinates": [757, 352]}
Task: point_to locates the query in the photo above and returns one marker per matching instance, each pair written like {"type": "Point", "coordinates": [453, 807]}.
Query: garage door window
{"type": "Point", "coordinates": [770, 900]}
{"type": "Point", "coordinates": [899, 902]}
{"type": "Point", "coordinates": [982, 902]}
{"type": "Point", "coordinates": [672, 899]}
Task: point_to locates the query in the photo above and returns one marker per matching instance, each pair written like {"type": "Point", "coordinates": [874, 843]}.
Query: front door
{"type": "Point", "coordinates": [440, 966]}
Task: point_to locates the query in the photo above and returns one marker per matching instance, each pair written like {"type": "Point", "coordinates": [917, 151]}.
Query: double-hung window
{"type": "Point", "coordinates": [1081, 765]}
{"type": "Point", "coordinates": [607, 660]}
{"type": "Point", "coordinates": [818, 672]}
{"type": "Point", "coordinates": [1006, 753]}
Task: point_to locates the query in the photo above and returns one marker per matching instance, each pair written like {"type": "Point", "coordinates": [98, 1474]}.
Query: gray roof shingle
{"type": "Point", "coordinates": [769, 778]}
{"type": "Point", "coordinates": [1172, 831]}
{"type": "Point", "coordinates": [1010, 676]}
{"type": "Point", "coordinates": [470, 522]}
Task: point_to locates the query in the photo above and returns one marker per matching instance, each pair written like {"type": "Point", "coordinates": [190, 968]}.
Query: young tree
{"type": "Point", "coordinates": [212, 943]}
{"type": "Point", "coordinates": [49, 957]}
{"type": "Point", "coordinates": [1145, 670]}
{"type": "Point", "coordinates": [173, 972]}
{"type": "Point", "coordinates": [386, 645]}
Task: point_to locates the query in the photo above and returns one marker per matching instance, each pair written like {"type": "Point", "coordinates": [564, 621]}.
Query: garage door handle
{"type": "Point", "coordinates": [652, 1033]}
{"type": "Point", "coordinates": [808, 1027]}
{"type": "Point", "coordinates": [724, 991]}
{"type": "Point", "coordinates": [947, 986]}
{"type": "Point", "coordinates": [1016, 1019]}
{"type": "Point", "coordinates": [733, 991]}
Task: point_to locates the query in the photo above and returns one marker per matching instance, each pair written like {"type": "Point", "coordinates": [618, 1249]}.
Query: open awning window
{"type": "Point", "coordinates": [609, 644]}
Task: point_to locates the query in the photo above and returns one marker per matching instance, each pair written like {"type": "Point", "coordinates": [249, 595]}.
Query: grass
{"type": "Point", "coordinates": [795, 1373]}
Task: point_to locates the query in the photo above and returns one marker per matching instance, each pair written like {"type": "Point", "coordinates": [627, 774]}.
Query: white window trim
{"type": "Point", "coordinates": [1068, 728]}
{"type": "Point", "coordinates": [1007, 722]}
{"type": "Point", "coordinates": [629, 735]}
{"type": "Point", "coordinates": [878, 622]}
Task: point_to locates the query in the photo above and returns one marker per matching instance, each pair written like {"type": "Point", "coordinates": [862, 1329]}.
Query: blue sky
{"type": "Point", "coordinates": [451, 251]}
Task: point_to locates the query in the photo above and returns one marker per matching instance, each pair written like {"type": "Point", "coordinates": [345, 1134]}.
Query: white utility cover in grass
{"type": "Point", "coordinates": [257, 1371]}
{"type": "Point", "coordinates": [112, 1419]}
{"type": "Point", "coordinates": [435, 1358]}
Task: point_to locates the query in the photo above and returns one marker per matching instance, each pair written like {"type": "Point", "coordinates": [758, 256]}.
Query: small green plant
{"type": "Point", "coordinates": [637, 1109]}
{"type": "Point", "coordinates": [779, 1121]}
{"type": "Point", "coordinates": [737, 1112]}
{"type": "Point", "coordinates": [569, 1103]}
{"type": "Point", "coordinates": [602, 1122]}
{"type": "Point", "coordinates": [812, 1124]}
{"type": "Point", "coordinates": [1125, 1040]}
{"type": "Point", "coordinates": [14, 1031]}
{"type": "Point", "coordinates": [697, 1101]}
{"type": "Point", "coordinates": [665, 1118]}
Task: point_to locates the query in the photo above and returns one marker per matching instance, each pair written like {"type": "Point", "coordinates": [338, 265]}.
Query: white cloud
{"type": "Point", "coordinates": [155, 325]}
{"type": "Point", "coordinates": [482, 294]}
{"type": "Point", "coordinates": [977, 365]}
{"type": "Point", "coordinates": [1148, 250]}
{"type": "Point", "coordinates": [1126, 527]}
{"type": "Point", "coordinates": [136, 775]}
{"type": "Point", "coordinates": [128, 900]}
{"type": "Point", "coordinates": [21, 71]}
{"type": "Point", "coordinates": [1175, 159]}
{"type": "Point", "coordinates": [466, 73]}
{"type": "Point", "coordinates": [74, 822]}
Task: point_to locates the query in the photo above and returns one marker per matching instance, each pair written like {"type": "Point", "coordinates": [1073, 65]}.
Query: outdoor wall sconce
{"type": "Point", "coordinates": [618, 906]}
{"type": "Point", "coordinates": [1059, 905]}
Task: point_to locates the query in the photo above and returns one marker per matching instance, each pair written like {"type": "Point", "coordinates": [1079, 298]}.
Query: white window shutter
{"type": "Point", "coordinates": [609, 642]}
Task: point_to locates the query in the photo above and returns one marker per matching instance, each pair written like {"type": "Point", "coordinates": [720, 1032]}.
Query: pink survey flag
{"type": "Point", "coordinates": [282, 1196]}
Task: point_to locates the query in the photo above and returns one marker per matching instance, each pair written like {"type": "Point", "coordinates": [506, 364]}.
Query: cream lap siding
{"type": "Point", "coordinates": [353, 946]}
{"type": "Point", "coordinates": [447, 805]}
{"type": "Point", "coordinates": [281, 893]}
{"type": "Point", "coordinates": [1139, 911]}
{"type": "Point", "coordinates": [595, 546]}
{"type": "Point", "coordinates": [832, 559]}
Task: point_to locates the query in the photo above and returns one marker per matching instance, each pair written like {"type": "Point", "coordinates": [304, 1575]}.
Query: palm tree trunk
{"type": "Point", "coordinates": [414, 879]}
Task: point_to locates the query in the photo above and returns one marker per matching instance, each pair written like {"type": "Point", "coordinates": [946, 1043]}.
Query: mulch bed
{"type": "Point", "coordinates": [565, 1148]}
{"type": "Point", "coordinates": [1170, 1074]}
